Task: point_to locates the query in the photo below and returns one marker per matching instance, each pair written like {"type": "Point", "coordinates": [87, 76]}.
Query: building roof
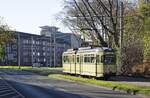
{"type": "Point", "coordinates": [46, 27]}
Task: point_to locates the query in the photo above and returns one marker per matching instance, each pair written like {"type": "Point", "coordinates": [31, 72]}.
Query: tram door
{"type": "Point", "coordinates": [73, 64]}
{"type": "Point", "coordinates": [81, 64]}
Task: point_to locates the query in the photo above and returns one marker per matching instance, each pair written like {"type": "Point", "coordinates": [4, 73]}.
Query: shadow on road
{"type": "Point", "coordinates": [30, 72]}
{"type": "Point", "coordinates": [35, 91]}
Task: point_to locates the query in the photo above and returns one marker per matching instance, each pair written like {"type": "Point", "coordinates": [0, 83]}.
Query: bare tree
{"type": "Point", "coordinates": [97, 18]}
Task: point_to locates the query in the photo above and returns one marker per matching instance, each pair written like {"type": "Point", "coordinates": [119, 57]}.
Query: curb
{"type": "Point", "coordinates": [109, 88]}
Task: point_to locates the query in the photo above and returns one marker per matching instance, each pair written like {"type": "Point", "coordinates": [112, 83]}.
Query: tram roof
{"type": "Point", "coordinates": [89, 49]}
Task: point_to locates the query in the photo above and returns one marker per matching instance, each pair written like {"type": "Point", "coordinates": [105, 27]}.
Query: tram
{"type": "Point", "coordinates": [88, 61]}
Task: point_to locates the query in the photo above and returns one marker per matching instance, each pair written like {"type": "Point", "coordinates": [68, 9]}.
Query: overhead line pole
{"type": "Point", "coordinates": [18, 51]}
{"type": "Point", "coordinates": [121, 32]}
{"type": "Point", "coordinates": [54, 49]}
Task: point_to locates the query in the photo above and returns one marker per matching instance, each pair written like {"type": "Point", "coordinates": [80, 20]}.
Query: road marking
{"type": "Point", "coordinates": [60, 89]}
{"type": "Point", "coordinates": [6, 90]}
{"type": "Point", "coordinates": [3, 95]}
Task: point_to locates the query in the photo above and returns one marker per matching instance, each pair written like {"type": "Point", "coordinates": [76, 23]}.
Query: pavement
{"type": "Point", "coordinates": [36, 86]}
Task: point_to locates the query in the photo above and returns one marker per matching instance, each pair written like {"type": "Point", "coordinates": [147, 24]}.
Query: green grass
{"type": "Point", "coordinates": [16, 67]}
{"type": "Point", "coordinates": [30, 68]}
{"type": "Point", "coordinates": [43, 72]}
{"type": "Point", "coordinates": [46, 71]}
{"type": "Point", "coordinates": [130, 88]}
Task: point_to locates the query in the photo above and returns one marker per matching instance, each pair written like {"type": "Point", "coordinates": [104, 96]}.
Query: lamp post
{"type": "Point", "coordinates": [121, 33]}
{"type": "Point", "coordinates": [32, 50]}
{"type": "Point", "coordinates": [55, 46]}
{"type": "Point", "coordinates": [54, 49]}
{"type": "Point", "coordinates": [18, 51]}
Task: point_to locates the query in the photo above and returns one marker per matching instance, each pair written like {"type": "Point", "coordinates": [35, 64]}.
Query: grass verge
{"type": "Point", "coordinates": [30, 68]}
{"type": "Point", "coordinates": [46, 71]}
{"type": "Point", "coordinates": [16, 67]}
{"type": "Point", "coordinates": [129, 88]}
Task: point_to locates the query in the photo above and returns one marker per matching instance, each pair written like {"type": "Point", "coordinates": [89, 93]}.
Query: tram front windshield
{"type": "Point", "coordinates": [109, 59]}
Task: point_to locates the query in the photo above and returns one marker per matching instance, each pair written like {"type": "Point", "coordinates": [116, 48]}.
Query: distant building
{"type": "Point", "coordinates": [39, 50]}
{"type": "Point", "coordinates": [60, 37]}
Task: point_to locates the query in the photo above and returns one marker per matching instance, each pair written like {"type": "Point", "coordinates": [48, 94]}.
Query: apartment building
{"type": "Point", "coordinates": [39, 50]}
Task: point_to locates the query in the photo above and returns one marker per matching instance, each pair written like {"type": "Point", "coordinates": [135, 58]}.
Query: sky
{"type": "Point", "coordinates": [29, 15]}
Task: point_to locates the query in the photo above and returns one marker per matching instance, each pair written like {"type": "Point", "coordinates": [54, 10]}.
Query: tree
{"type": "Point", "coordinates": [136, 39]}
{"type": "Point", "coordinates": [132, 42]}
{"type": "Point", "coordinates": [97, 18]}
{"type": "Point", "coordinates": [5, 37]}
{"type": "Point", "coordinates": [144, 10]}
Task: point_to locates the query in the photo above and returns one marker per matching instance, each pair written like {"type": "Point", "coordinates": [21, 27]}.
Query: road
{"type": "Point", "coordinates": [36, 86]}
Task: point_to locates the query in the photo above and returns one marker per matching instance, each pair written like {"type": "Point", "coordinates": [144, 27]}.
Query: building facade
{"type": "Point", "coordinates": [38, 50]}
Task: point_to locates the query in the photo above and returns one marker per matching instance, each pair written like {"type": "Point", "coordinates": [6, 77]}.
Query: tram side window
{"type": "Point", "coordinates": [73, 59]}
{"type": "Point", "coordinates": [109, 59]}
{"type": "Point", "coordinates": [86, 59]}
{"type": "Point", "coordinates": [92, 58]}
{"type": "Point", "coordinates": [66, 59]}
{"type": "Point", "coordinates": [97, 59]}
{"type": "Point", "coordinates": [78, 59]}
{"type": "Point", "coordinates": [89, 58]}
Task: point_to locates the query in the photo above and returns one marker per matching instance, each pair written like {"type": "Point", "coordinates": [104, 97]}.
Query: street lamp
{"type": "Point", "coordinates": [18, 51]}
{"type": "Point", "coordinates": [56, 45]}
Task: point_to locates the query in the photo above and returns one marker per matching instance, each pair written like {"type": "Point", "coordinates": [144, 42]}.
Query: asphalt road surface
{"type": "Point", "coordinates": [36, 86]}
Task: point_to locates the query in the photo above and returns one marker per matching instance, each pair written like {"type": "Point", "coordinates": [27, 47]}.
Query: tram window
{"type": "Point", "coordinates": [92, 59]}
{"type": "Point", "coordinates": [109, 59]}
{"type": "Point", "coordinates": [89, 58]}
{"type": "Point", "coordinates": [66, 59]}
{"type": "Point", "coordinates": [73, 58]}
{"type": "Point", "coordinates": [102, 59]}
{"type": "Point", "coordinates": [78, 59]}
{"type": "Point", "coordinates": [97, 59]}
{"type": "Point", "coordinates": [86, 59]}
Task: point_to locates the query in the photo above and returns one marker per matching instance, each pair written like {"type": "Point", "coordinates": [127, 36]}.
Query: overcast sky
{"type": "Point", "coordinates": [28, 15]}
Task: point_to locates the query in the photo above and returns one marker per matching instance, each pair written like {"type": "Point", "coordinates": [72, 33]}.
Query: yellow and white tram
{"type": "Point", "coordinates": [96, 62]}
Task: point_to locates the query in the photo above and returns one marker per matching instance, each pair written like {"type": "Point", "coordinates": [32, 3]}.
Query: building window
{"type": "Point", "coordinates": [33, 42]}
{"type": "Point", "coordinates": [44, 54]}
{"type": "Point", "coordinates": [25, 53]}
{"type": "Point", "coordinates": [37, 42]}
{"type": "Point", "coordinates": [38, 60]}
{"type": "Point", "coordinates": [44, 43]}
{"type": "Point", "coordinates": [38, 54]}
{"type": "Point", "coordinates": [15, 40]}
{"type": "Point", "coordinates": [15, 53]}
{"type": "Point", "coordinates": [33, 53]}
{"type": "Point", "coordinates": [14, 60]}
{"type": "Point", "coordinates": [25, 60]}
{"type": "Point", "coordinates": [43, 48]}
{"type": "Point", "coordinates": [48, 49]}
{"type": "Point", "coordinates": [44, 60]}
{"type": "Point", "coordinates": [25, 41]}
{"type": "Point", "coordinates": [8, 49]}
{"type": "Point", "coordinates": [14, 46]}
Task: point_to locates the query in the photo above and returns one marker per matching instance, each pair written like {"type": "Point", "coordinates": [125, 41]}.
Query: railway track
{"type": "Point", "coordinates": [6, 90]}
